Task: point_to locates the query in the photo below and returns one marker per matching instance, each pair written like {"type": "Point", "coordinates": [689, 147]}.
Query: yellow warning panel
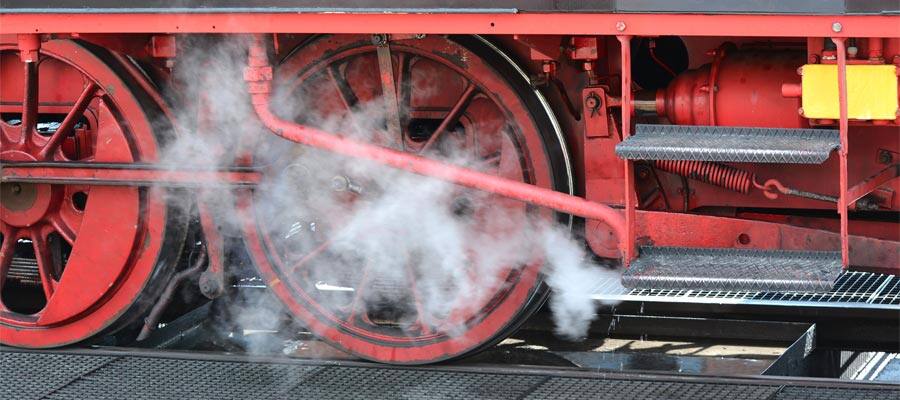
{"type": "Point", "coordinates": [871, 92]}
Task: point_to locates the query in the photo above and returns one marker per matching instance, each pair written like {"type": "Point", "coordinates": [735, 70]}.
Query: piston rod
{"type": "Point", "coordinates": [259, 78]}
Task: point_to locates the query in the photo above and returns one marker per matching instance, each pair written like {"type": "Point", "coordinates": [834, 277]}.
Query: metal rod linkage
{"type": "Point", "coordinates": [259, 77]}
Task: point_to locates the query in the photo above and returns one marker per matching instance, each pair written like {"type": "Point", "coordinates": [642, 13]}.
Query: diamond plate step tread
{"type": "Point", "coordinates": [681, 268]}
{"type": "Point", "coordinates": [729, 144]}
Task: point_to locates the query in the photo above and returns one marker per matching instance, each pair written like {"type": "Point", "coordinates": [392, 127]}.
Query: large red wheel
{"type": "Point", "coordinates": [78, 261]}
{"type": "Point", "coordinates": [460, 98]}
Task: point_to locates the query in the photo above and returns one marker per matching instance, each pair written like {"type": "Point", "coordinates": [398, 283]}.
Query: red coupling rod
{"type": "Point", "coordinates": [259, 77]}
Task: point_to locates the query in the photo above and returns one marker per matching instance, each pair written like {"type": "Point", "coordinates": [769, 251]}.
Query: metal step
{"type": "Point", "coordinates": [852, 290]}
{"type": "Point", "coordinates": [682, 268]}
{"type": "Point", "coordinates": [729, 144]}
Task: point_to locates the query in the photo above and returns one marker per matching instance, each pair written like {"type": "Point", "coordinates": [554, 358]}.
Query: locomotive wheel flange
{"type": "Point", "coordinates": [456, 95]}
{"type": "Point", "coordinates": [79, 261]}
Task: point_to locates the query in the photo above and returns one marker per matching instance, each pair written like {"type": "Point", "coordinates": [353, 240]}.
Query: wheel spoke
{"type": "Point", "coordinates": [403, 93]}
{"type": "Point", "coordinates": [451, 117]}
{"type": "Point", "coordinates": [417, 300]}
{"type": "Point", "coordinates": [345, 93]}
{"type": "Point", "coordinates": [29, 102]}
{"type": "Point", "coordinates": [87, 95]}
{"type": "Point", "coordinates": [491, 164]}
{"type": "Point", "coordinates": [389, 93]}
{"type": "Point", "coordinates": [6, 135]}
{"type": "Point", "coordinates": [62, 228]}
{"type": "Point", "coordinates": [44, 262]}
{"type": "Point", "coordinates": [311, 255]}
{"type": "Point", "coordinates": [7, 250]}
{"type": "Point", "coordinates": [359, 292]}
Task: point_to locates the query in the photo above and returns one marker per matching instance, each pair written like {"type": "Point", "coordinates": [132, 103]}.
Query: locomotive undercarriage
{"type": "Point", "coordinates": [86, 196]}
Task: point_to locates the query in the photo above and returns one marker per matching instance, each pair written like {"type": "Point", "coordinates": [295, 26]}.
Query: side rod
{"type": "Point", "coordinates": [258, 75]}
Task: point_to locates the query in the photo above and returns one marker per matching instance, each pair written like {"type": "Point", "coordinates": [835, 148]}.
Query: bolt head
{"type": "Point", "coordinates": [837, 27]}
{"type": "Point", "coordinates": [620, 26]}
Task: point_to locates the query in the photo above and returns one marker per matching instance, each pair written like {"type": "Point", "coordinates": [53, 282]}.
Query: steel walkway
{"type": "Point", "coordinates": [141, 374]}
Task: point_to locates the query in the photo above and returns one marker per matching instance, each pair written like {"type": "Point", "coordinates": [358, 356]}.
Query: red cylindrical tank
{"type": "Point", "coordinates": [745, 87]}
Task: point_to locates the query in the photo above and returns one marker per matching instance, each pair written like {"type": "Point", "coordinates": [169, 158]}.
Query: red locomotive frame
{"type": "Point", "coordinates": [623, 203]}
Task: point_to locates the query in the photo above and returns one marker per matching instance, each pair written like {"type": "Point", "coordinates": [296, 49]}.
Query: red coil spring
{"type": "Point", "coordinates": [714, 174]}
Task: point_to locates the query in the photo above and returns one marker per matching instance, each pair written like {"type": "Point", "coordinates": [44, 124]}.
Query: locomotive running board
{"type": "Point", "coordinates": [729, 144]}
{"type": "Point", "coordinates": [682, 268]}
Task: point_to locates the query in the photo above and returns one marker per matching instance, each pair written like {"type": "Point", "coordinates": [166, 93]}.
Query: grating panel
{"type": "Point", "coordinates": [141, 378]}
{"type": "Point", "coordinates": [890, 294]}
{"type": "Point", "coordinates": [83, 376]}
{"type": "Point", "coordinates": [815, 393]}
{"type": "Point", "coordinates": [26, 376]}
{"type": "Point", "coordinates": [851, 289]}
{"type": "Point", "coordinates": [355, 382]}
{"type": "Point", "coordinates": [575, 388]}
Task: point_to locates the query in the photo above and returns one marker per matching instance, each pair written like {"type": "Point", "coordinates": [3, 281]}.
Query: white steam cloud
{"type": "Point", "coordinates": [426, 248]}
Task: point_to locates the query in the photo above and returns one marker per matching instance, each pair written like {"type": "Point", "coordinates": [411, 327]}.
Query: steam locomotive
{"type": "Point", "coordinates": [711, 146]}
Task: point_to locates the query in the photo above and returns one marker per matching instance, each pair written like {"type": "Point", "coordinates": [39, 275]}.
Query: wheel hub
{"type": "Point", "coordinates": [24, 204]}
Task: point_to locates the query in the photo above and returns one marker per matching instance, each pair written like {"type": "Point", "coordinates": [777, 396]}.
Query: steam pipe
{"type": "Point", "coordinates": [259, 77]}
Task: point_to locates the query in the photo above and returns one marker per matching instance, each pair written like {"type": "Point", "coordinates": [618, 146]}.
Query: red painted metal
{"type": "Point", "coordinates": [693, 230]}
{"type": "Point", "coordinates": [712, 173]}
{"type": "Point", "coordinates": [843, 205]}
{"type": "Point", "coordinates": [483, 101]}
{"type": "Point", "coordinates": [754, 86]}
{"type": "Point", "coordinates": [871, 183]}
{"type": "Point", "coordinates": [259, 92]}
{"type": "Point", "coordinates": [470, 23]}
{"type": "Point", "coordinates": [118, 225]}
{"type": "Point", "coordinates": [630, 206]}
{"type": "Point", "coordinates": [739, 88]}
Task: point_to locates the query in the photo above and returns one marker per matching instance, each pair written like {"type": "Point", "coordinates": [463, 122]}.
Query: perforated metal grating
{"type": "Point", "coordinates": [574, 388]}
{"type": "Point", "coordinates": [851, 289]}
{"type": "Point", "coordinates": [37, 375]}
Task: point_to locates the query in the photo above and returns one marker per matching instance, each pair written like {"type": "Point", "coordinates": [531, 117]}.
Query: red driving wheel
{"type": "Point", "coordinates": [458, 96]}
{"type": "Point", "coordinates": [78, 261]}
